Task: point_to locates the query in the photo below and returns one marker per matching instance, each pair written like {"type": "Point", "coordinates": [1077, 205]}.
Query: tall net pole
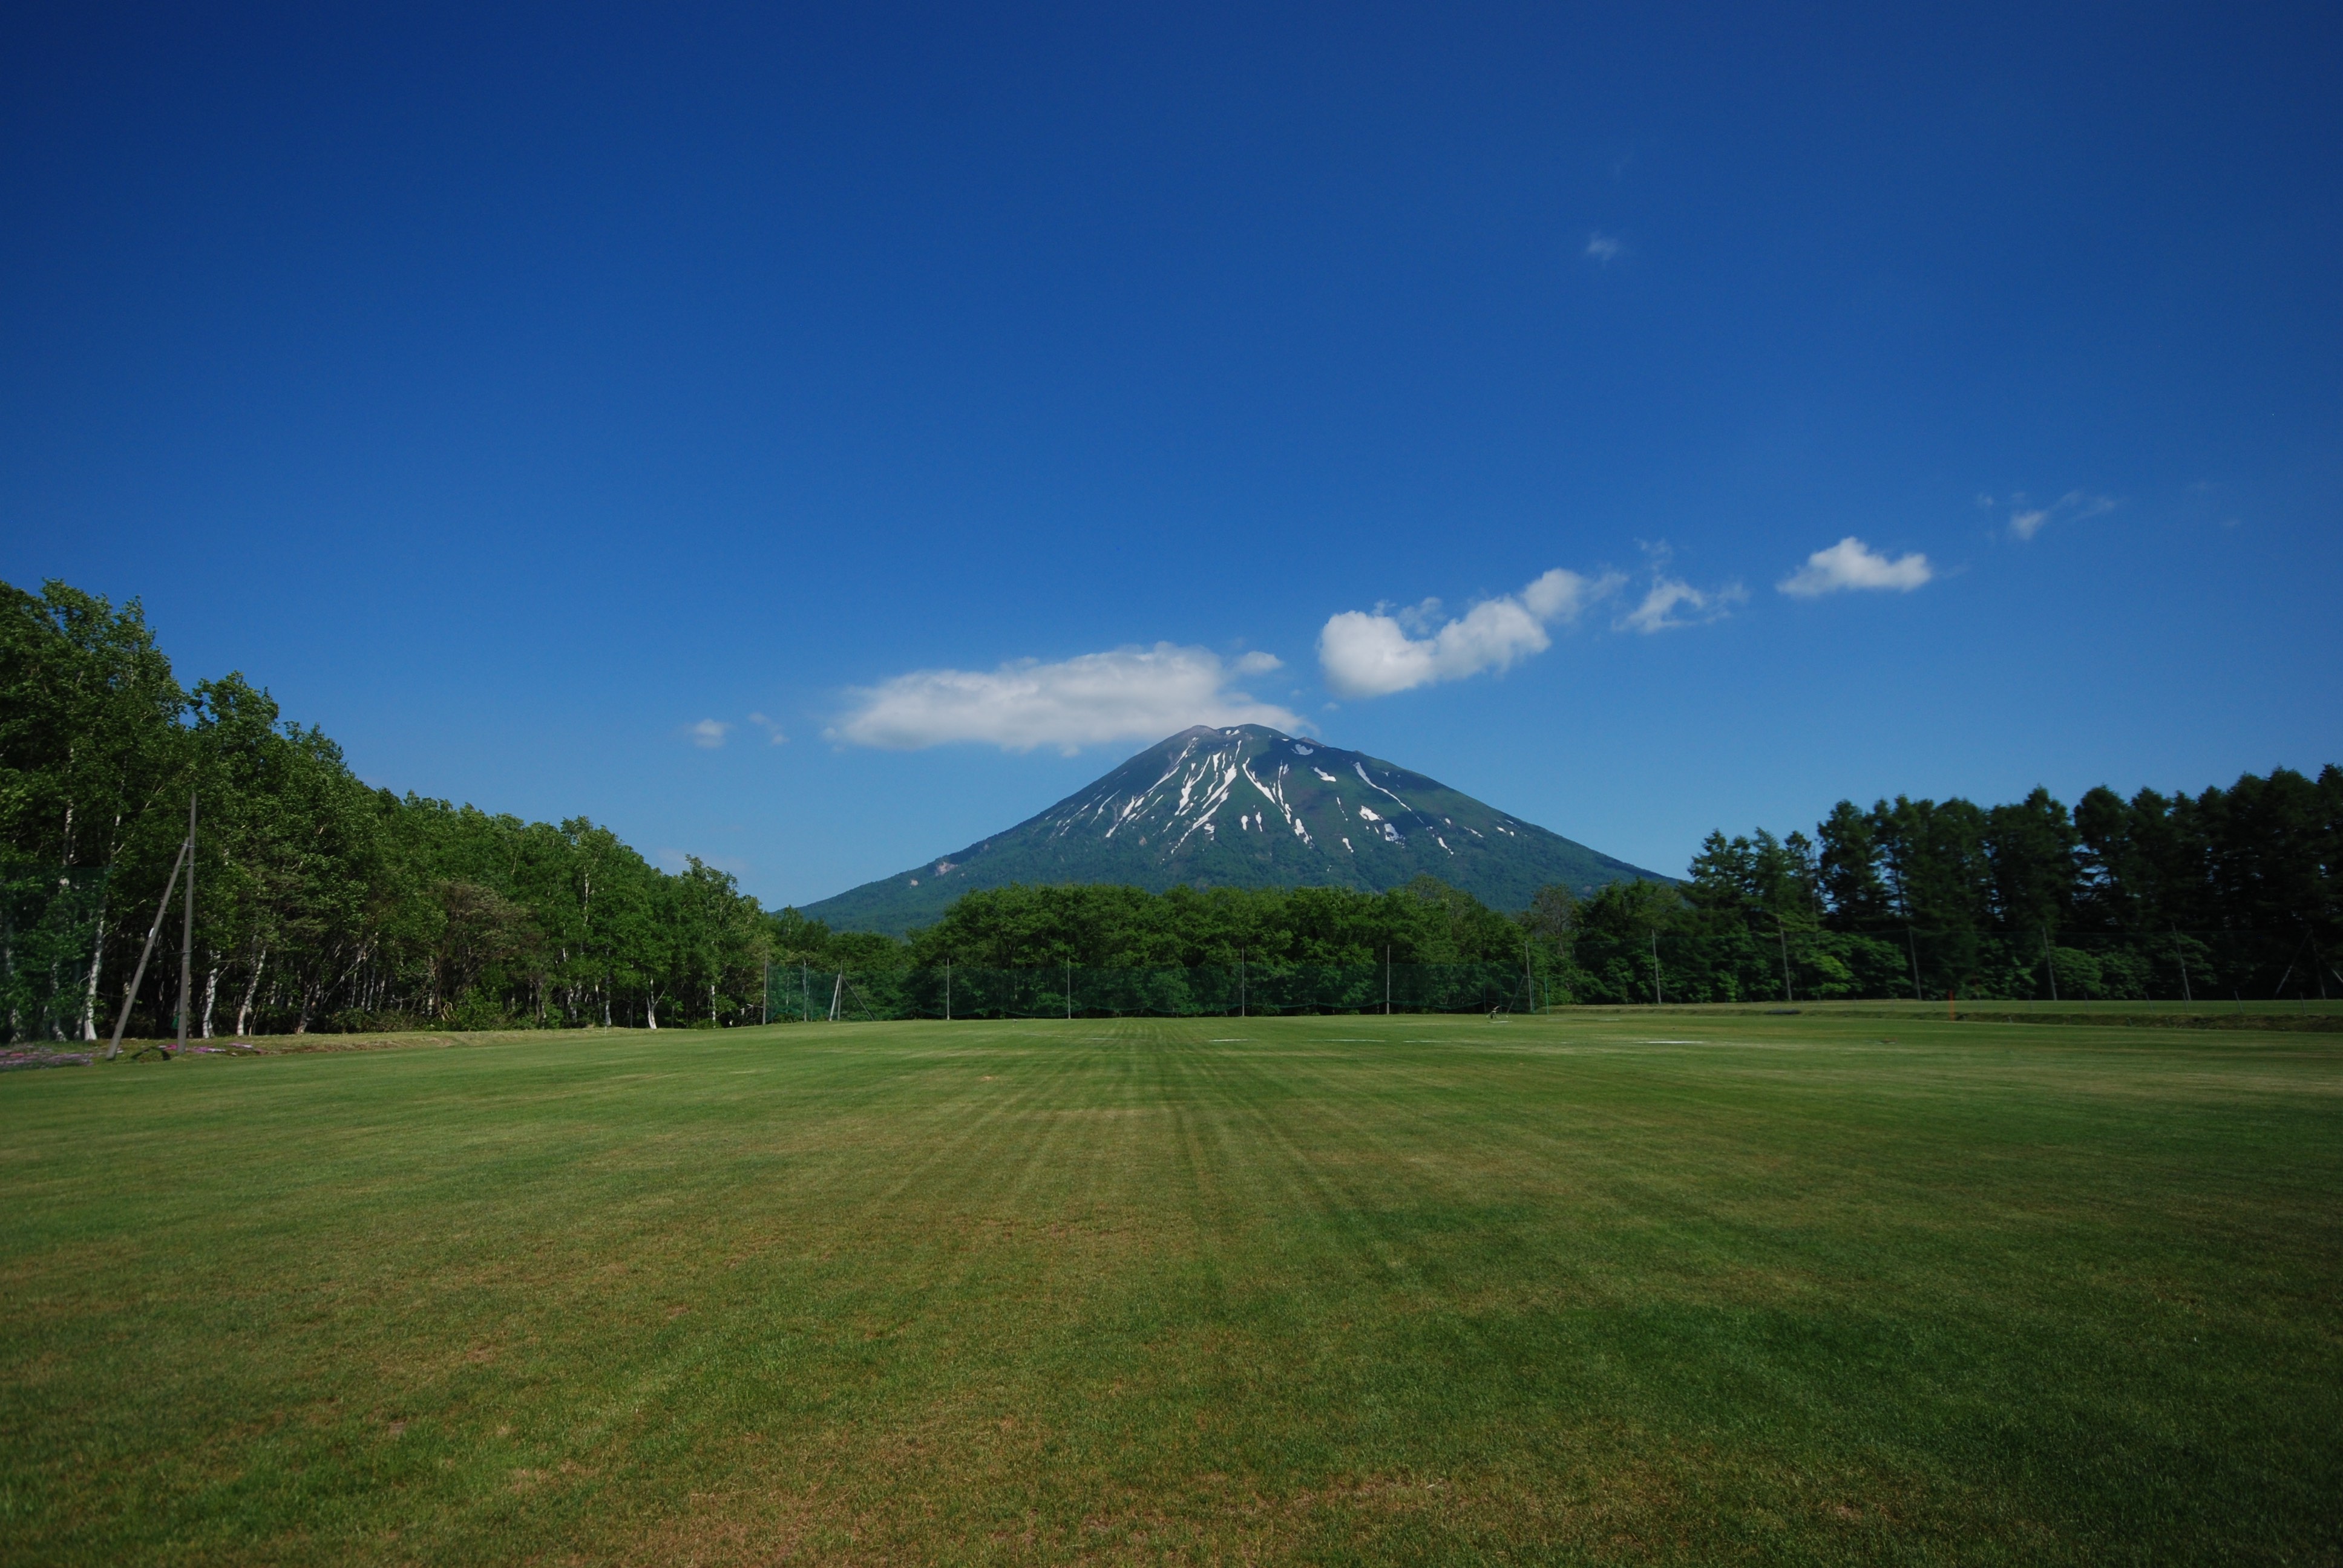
{"type": "Point", "coordinates": [188, 929]}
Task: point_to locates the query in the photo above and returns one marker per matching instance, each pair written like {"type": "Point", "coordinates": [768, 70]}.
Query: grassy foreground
{"type": "Point", "coordinates": [1625, 1288]}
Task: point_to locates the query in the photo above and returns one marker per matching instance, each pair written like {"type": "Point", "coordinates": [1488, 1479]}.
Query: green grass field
{"type": "Point", "coordinates": [1620, 1287]}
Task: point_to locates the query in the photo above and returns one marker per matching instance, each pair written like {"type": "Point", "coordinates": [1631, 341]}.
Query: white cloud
{"type": "Point", "coordinates": [771, 727]}
{"type": "Point", "coordinates": [1673, 602]}
{"type": "Point", "coordinates": [1370, 653]}
{"type": "Point", "coordinates": [2026, 521]}
{"type": "Point", "coordinates": [1668, 595]}
{"type": "Point", "coordinates": [1851, 564]}
{"type": "Point", "coordinates": [708, 734]}
{"type": "Point", "coordinates": [1129, 694]}
{"type": "Point", "coordinates": [1603, 246]}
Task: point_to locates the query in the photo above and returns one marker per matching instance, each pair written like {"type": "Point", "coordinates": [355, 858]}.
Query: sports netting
{"type": "Point", "coordinates": [802, 993]}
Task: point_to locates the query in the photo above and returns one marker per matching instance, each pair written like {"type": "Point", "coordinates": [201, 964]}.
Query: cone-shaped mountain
{"type": "Point", "coordinates": [1246, 807]}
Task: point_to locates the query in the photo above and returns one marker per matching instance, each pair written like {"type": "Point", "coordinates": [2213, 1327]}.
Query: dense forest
{"type": "Point", "coordinates": [325, 904]}
{"type": "Point", "coordinates": [329, 905]}
{"type": "Point", "coordinates": [1107, 927]}
{"type": "Point", "coordinates": [2230, 893]}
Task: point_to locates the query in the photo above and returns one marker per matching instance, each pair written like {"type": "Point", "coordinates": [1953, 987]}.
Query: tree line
{"type": "Point", "coordinates": [325, 904]}
{"type": "Point", "coordinates": [1102, 925]}
{"type": "Point", "coordinates": [2231, 894]}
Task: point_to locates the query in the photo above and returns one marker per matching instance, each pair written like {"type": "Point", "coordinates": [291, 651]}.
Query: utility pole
{"type": "Point", "coordinates": [765, 1007]}
{"type": "Point", "coordinates": [1240, 983]}
{"type": "Point", "coordinates": [948, 990]}
{"type": "Point", "coordinates": [1070, 990]}
{"type": "Point", "coordinates": [1913, 947]}
{"type": "Point", "coordinates": [1656, 966]}
{"type": "Point", "coordinates": [1529, 975]}
{"type": "Point", "coordinates": [2182, 954]}
{"type": "Point", "coordinates": [1784, 935]}
{"type": "Point", "coordinates": [1387, 980]}
{"type": "Point", "coordinates": [2049, 961]}
{"type": "Point", "coordinates": [187, 927]}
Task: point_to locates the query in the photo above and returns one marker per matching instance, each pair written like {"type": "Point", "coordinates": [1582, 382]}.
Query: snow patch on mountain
{"type": "Point", "coordinates": [1361, 768]}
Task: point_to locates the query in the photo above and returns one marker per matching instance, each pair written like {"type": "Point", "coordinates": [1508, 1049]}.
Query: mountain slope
{"type": "Point", "coordinates": [1246, 808]}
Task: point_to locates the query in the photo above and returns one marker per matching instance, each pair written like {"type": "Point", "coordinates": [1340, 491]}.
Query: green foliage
{"type": "Point", "coordinates": [2232, 893]}
{"type": "Point", "coordinates": [46, 916]}
{"type": "Point", "coordinates": [324, 903]}
{"type": "Point", "coordinates": [1017, 926]}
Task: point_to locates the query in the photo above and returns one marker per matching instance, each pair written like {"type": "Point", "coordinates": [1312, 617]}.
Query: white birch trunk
{"type": "Point", "coordinates": [251, 989]}
{"type": "Point", "coordinates": [89, 991]}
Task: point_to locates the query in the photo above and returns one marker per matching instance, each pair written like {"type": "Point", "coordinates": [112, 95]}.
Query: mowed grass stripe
{"type": "Point", "coordinates": [1404, 1290]}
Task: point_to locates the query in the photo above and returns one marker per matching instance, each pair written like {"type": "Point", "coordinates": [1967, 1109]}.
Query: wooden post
{"type": "Point", "coordinates": [138, 975]}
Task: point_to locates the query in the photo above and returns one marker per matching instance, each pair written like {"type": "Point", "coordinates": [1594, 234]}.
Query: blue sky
{"type": "Point", "coordinates": [812, 440]}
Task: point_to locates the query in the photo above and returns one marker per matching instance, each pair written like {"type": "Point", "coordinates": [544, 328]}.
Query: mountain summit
{"type": "Point", "coordinates": [1245, 807]}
